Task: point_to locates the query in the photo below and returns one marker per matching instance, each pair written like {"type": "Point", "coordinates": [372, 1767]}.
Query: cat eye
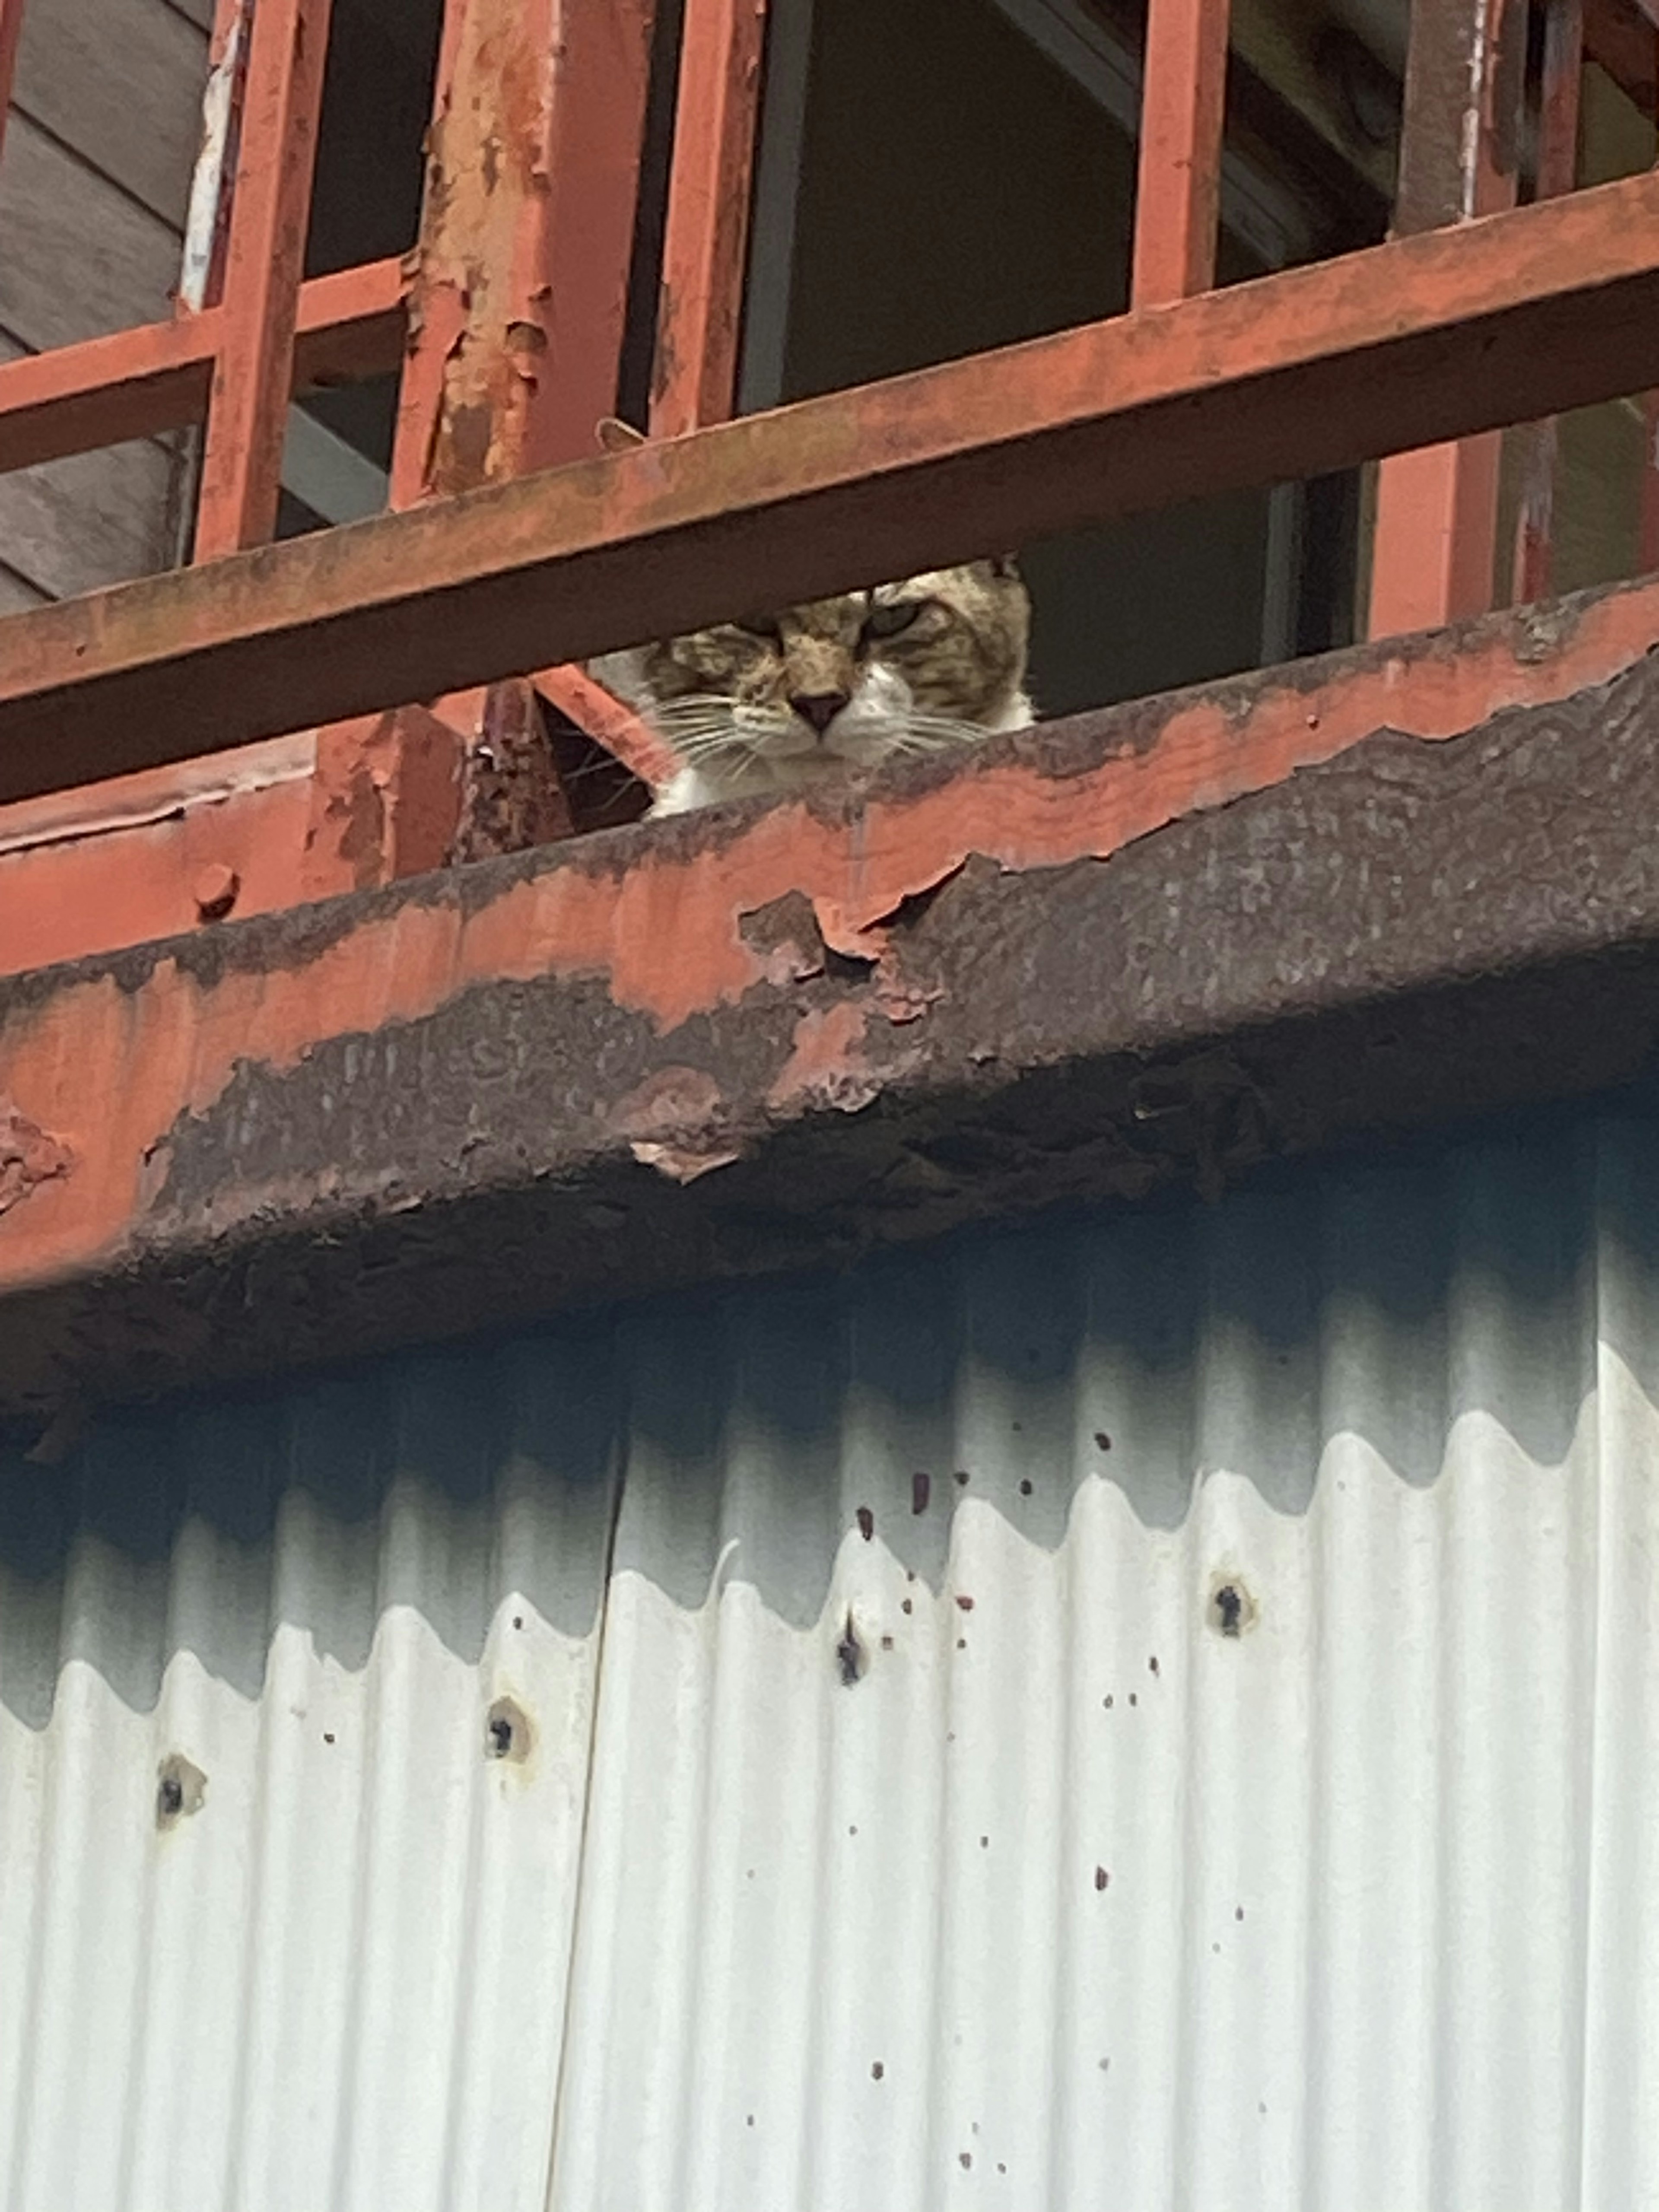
{"type": "Point", "coordinates": [897, 614]}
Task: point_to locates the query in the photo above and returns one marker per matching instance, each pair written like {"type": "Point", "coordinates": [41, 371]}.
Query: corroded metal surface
{"type": "Point", "coordinates": [745, 1039]}
{"type": "Point", "coordinates": [518, 299]}
{"type": "Point", "coordinates": [519, 282]}
{"type": "Point", "coordinates": [1306, 371]}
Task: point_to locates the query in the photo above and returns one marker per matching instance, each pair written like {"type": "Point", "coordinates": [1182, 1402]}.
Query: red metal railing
{"type": "Point", "coordinates": [508, 549]}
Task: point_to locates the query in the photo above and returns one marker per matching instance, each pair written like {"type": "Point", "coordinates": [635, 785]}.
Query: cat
{"type": "Point", "coordinates": [778, 703]}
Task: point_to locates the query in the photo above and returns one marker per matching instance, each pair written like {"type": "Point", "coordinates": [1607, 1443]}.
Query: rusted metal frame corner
{"type": "Point", "coordinates": [1437, 509]}
{"type": "Point", "coordinates": [1555, 306]}
{"type": "Point", "coordinates": [1182, 115]}
{"type": "Point", "coordinates": [136, 383]}
{"type": "Point", "coordinates": [518, 295]}
{"type": "Point", "coordinates": [264, 267]}
{"type": "Point", "coordinates": [1536, 445]}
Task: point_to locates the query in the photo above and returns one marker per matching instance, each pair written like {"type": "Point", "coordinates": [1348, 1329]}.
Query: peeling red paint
{"type": "Point", "coordinates": [530, 171]}
{"type": "Point", "coordinates": [828, 1066]}
{"type": "Point", "coordinates": [28, 1157]}
{"type": "Point", "coordinates": [679, 1162]}
{"type": "Point", "coordinates": [673, 1122]}
{"type": "Point", "coordinates": [664, 917]}
{"type": "Point", "coordinates": [675, 1099]}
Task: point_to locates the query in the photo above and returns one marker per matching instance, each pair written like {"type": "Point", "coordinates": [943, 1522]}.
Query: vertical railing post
{"type": "Point", "coordinates": [263, 263]}
{"type": "Point", "coordinates": [1536, 447]}
{"type": "Point", "coordinates": [1182, 111]}
{"type": "Point", "coordinates": [518, 301]}
{"type": "Point", "coordinates": [1437, 509]}
{"type": "Point", "coordinates": [518, 291]}
{"type": "Point", "coordinates": [700, 299]}
{"type": "Point", "coordinates": [706, 237]}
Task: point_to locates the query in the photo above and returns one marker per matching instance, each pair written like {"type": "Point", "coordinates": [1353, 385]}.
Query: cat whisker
{"type": "Point", "coordinates": [944, 729]}
{"type": "Point", "coordinates": [695, 706]}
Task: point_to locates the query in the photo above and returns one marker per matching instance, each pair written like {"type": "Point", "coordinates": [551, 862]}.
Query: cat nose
{"type": "Point", "coordinates": [820, 708]}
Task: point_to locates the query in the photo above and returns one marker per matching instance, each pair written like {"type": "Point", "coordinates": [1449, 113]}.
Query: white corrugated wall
{"type": "Point", "coordinates": [784, 1750]}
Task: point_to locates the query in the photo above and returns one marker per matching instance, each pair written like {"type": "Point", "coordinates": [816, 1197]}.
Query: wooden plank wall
{"type": "Point", "coordinates": [94, 182]}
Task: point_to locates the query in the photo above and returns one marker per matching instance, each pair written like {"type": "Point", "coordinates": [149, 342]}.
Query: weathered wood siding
{"type": "Point", "coordinates": [94, 181]}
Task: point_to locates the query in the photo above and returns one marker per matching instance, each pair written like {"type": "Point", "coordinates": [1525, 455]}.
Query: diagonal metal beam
{"type": "Point", "coordinates": [1430, 337]}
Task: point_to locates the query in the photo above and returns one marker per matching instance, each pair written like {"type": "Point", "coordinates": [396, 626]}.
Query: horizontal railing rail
{"type": "Point", "coordinates": [506, 326]}
{"type": "Point", "coordinates": [1427, 338]}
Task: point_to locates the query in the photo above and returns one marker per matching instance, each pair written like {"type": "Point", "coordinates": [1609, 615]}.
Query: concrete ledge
{"type": "Point", "coordinates": [764, 1039]}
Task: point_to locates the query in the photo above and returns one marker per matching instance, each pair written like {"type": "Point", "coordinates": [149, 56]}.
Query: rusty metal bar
{"type": "Point", "coordinates": [136, 383]}
{"type": "Point", "coordinates": [1437, 513]}
{"type": "Point", "coordinates": [617, 727]}
{"type": "Point", "coordinates": [1432, 338]}
{"type": "Point", "coordinates": [130, 385]}
{"type": "Point", "coordinates": [706, 241]}
{"type": "Point", "coordinates": [1537, 444]}
{"type": "Point", "coordinates": [264, 260]}
{"type": "Point", "coordinates": [519, 299]}
{"type": "Point", "coordinates": [519, 286]}
{"type": "Point", "coordinates": [352, 325]}
{"type": "Point", "coordinates": [1178, 194]}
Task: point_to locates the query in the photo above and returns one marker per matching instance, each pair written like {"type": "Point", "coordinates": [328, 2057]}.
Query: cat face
{"type": "Point", "coordinates": [938, 659]}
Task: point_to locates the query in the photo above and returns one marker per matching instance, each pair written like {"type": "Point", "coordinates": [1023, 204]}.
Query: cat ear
{"type": "Point", "coordinates": [616, 436]}
{"type": "Point", "coordinates": [1006, 565]}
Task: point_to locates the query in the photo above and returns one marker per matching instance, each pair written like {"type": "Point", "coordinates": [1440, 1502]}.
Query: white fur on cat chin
{"type": "Point", "coordinates": [752, 775]}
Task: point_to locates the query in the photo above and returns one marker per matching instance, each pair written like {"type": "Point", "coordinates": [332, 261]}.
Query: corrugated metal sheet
{"type": "Point", "coordinates": [896, 1822]}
